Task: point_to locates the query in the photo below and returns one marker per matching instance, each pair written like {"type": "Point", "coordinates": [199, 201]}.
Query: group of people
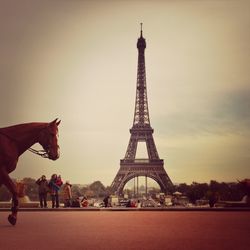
{"type": "Point", "coordinates": [53, 187]}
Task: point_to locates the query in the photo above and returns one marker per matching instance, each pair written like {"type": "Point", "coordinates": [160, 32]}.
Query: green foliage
{"type": "Point", "coordinates": [212, 191]}
{"type": "Point", "coordinates": [182, 188]}
{"type": "Point", "coordinates": [76, 191]}
{"type": "Point", "coordinates": [31, 188]}
{"type": "Point", "coordinates": [94, 190]}
{"type": "Point", "coordinates": [197, 191]}
{"type": "Point", "coordinates": [98, 189]}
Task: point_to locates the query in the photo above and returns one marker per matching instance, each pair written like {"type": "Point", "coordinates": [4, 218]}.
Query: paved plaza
{"type": "Point", "coordinates": [120, 230]}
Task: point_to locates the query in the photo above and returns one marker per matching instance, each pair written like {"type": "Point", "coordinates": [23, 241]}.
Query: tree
{"type": "Point", "coordinates": [31, 188]}
{"type": "Point", "coordinates": [76, 191]}
{"type": "Point", "coordinates": [197, 191]}
{"type": "Point", "coordinates": [98, 189]}
{"type": "Point", "coordinates": [183, 188]}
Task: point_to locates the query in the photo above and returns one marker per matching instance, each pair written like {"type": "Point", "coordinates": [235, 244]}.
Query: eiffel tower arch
{"type": "Point", "coordinates": [141, 131]}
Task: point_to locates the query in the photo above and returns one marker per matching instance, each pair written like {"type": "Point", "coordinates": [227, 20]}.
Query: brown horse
{"type": "Point", "coordinates": [14, 141]}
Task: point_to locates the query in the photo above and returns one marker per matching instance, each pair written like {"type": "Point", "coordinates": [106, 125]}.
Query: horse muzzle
{"type": "Point", "coordinates": [54, 155]}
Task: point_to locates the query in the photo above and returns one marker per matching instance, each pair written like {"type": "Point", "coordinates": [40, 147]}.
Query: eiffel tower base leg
{"type": "Point", "coordinates": [151, 170]}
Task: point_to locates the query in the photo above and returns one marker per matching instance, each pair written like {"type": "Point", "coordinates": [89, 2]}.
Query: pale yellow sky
{"type": "Point", "coordinates": [77, 60]}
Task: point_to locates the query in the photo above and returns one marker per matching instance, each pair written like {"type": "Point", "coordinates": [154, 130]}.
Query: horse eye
{"type": "Point", "coordinates": [54, 135]}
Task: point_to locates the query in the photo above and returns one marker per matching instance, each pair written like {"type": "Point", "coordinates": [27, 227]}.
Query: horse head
{"type": "Point", "coordinates": [48, 139]}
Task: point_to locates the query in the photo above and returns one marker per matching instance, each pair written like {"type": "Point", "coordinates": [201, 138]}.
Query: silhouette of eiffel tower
{"type": "Point", "coordinates": [141, 131]}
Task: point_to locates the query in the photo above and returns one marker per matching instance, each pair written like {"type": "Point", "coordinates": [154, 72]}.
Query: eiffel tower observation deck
{"type": "Point", "coordinates": [141, 131]}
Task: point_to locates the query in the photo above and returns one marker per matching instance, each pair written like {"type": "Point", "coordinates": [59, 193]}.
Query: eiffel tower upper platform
{"type": "Point", "coordinates": [141, 131]}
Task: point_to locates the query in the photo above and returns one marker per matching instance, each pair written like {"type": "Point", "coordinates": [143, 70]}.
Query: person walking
{"type": "Point", "coordinates": [67, 194]}
{"type": "Point", "coordinates": [42, 190]}
{"type": "Point", "coordinates": [54, 189]}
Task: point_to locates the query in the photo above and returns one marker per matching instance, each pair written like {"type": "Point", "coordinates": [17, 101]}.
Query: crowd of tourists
{"type": "Point", "coordinates": [55, 188]}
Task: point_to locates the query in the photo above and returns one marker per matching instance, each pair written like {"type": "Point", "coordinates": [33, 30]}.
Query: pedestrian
{"type": "Point", "coordinates": [67, 194]}
{"type": "Point", "coordinates": [106, 201]}
{"type": "Point", "coordinates": [138, 204]}
{"type": "Point", "coordinates": [54, 189]}
{"type": "Point", "coordinates": [42, 190]}
{"type": "Point", "coordinates": [76, 202]}
{"type": "Point", "coordinates": [129, 204]}
{"type": "Point", "coordinates": [59, 181]}
{"type": "Point", "coordinates": [84, 201]}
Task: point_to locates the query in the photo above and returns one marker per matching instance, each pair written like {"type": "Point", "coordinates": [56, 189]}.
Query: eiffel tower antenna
{"type": "Point", "coordinates": [141, 131]}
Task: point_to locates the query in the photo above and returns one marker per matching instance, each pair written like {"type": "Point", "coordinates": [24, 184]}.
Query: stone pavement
{"type": "Point", "coordinates": [133, 230]}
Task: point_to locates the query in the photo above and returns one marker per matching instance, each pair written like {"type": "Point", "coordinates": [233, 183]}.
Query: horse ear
{"type": "Point", "coordinates": [55, 122]}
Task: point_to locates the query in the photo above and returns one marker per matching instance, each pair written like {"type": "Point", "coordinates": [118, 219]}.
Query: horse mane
{"type": "Point", "coordinates": [15, 129]}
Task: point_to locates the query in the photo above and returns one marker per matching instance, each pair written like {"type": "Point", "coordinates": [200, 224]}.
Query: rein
{"type": "Point", "coordinates": [41, 152]}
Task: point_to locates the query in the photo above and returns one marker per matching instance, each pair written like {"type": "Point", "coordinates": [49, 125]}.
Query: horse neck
{"type": "Point", "coordinates": [25, 135]}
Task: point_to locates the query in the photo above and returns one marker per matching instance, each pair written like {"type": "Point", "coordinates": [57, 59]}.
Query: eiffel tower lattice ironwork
{"type": "Point", "coordinates": [141, 131]}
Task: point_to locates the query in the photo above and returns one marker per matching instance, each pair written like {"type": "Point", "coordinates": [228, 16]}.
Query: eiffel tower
{"type": "Point", "coordinates": [141, 131]}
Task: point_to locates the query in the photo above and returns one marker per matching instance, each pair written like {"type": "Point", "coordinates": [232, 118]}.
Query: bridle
{"type": "Point", "coordinates": [43, 153]}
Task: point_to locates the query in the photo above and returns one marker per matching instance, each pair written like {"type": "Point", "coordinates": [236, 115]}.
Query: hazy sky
{"type": "Point", "coordinates": [77, 60]}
